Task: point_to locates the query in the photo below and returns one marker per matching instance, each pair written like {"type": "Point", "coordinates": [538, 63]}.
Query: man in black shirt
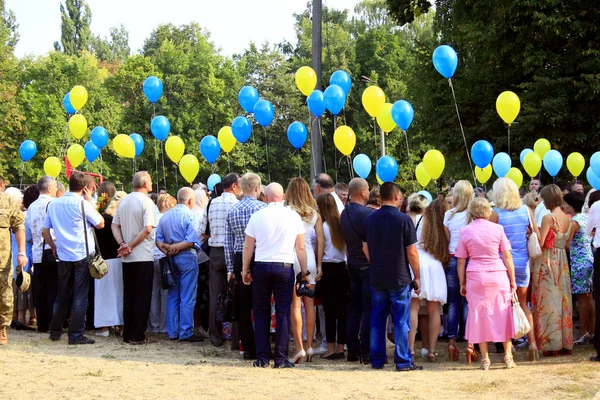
{"type": "Point", "coordinates": [359, 309]}
{"type": "Point", "coordinates": [391, 247]}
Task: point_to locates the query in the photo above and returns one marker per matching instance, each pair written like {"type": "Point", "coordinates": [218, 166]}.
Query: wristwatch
{"type": "Point", "coordinates": [21, 254]}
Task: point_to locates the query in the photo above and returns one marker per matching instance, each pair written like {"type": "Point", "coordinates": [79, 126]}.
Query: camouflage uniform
{"type": "Point", "coordinates": [11, 218]}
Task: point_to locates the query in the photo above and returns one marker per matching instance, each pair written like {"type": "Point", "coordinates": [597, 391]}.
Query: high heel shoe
{"type": "Point", "coordinates": [585, 339]}
{"type": "Point", "coordinates": [471, 354]}
{"type": "Point", "coordinates": [534, 354]}
{"type": "Point", "coordinates": [298, 357]}
{"type": "Point", "coordinates": [485, 364]}
{"type": "Point", "coordinates": [453, 353]}
{"type": "Point", "coordinates": [508, 360]}
{"type": "Point", "coordinates": [309, 354]}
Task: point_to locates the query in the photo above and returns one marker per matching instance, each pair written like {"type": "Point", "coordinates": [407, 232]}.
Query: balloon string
{"type": "Point", "coordinates": [409, 162]}
{"type": "Point", "coordinates": [244, 156]}
{"type": "Point", "coordinates": [322, 149]}
{"type": "Point", "coordinates": [22, 171]}
{"type": "Point", "coordinates": [156, 162]}
{"type": "Point", "coordinates": [162, 154]}
{"type": "Point", "coordinates": [100, 162]}
{"type": "Point", "coordinates": [350, 169]}
{"type": "Point", "coordinates": [176, 177]}
{"type": "Point", "coordinates": [228, 164]}
{"type": "Point", "coordinates": [376, 140]}
{"type": "Point", "coordinates": [509, 139]}
{"type": "Point", "coordinates": [64, 141]}
{"type": "Point", "coordinates": [335, 151]}
{"type": "Point", "coordinates": [462, 130]}
{"type": "Point", "coordinates": [255, 153]}
{"type": "Point", "coordinates": [267, 150]}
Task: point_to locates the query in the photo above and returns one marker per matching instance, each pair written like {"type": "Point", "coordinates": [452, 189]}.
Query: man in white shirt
{"type": "Point", "coordinates": [66, 217]}
{"type": "Point", "coordinates": [45, 269]}
{"type": "Point", "coordinates": [324, 184]}
{"type": "Point", "coordinates": [593, 229]}
{"type": "Point", "coordinates": [133, 228]}
{"type": "Point", "coordinates": [276, 231]}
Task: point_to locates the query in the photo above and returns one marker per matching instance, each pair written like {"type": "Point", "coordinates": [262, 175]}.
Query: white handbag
{"type": "Point", "coordinates": [533, 244]}
{"type": "Point", "coordinates": [520, 323]}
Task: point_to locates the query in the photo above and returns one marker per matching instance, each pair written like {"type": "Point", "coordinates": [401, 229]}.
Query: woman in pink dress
{"type": "Point", "coordinates": [488, 282]}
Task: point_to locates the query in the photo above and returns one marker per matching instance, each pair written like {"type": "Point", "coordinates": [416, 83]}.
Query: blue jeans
{"type": "Point", "coordinates": [399, 302]}
{"type": "Point", "coordinates": [182, 297]}
{"type": "Point", "coordinates": [73, 280]}
{"type": "Point", "coordinates": [359, 311]}
{"type": "Point", "coordinates": [273, 278]}
{"type": "Point", "coordinates": [457, 304]}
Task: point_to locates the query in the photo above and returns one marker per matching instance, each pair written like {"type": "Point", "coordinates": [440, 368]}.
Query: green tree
{"type": "Point", "coordinates": [76, 34]}
{"type": "Point", "coordinates": [115, 48]}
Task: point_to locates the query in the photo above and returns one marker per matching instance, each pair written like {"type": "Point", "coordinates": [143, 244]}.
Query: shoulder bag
{"type": "Point", "coordinates": [98, 267]}
{"type": "Point", "coordinates": [533, 243]}
{"type": "Point", "coordinates": [166, 272]}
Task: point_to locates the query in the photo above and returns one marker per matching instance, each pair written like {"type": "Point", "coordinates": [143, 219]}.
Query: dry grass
{"type": "Point", "coordinates": [34, 367]}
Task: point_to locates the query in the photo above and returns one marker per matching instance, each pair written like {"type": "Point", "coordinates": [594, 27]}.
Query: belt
{"type": "Point", "coordinates": [278, 264]}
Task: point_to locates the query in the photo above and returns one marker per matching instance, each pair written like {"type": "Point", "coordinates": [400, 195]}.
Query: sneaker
{"type": "Point", "coordinates": [319, 351]}
{"type": "Point", "coordinates": [82, 340]}
{"type": "Point", "coordinates": [3, 336]}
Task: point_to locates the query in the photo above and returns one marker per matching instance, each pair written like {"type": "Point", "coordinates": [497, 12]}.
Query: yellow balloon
{"type": "Point", "coordinates": [532, 164]}
{"type": "Point", "coordinates": [76, 155]}
{"type": "Point", "coordinates": [78, 97]}
{"type": "Point", "coordinates": [483, 174]}
{"type": "Point", "coordinates": [174, 147]}
{"type": "Point", "coordinates": [344, 139]}
{"type": "Point", "coordinates": [508, 106]}
{"type": "Point", "coordinates": [373, 100]}
{"type": "Point", "coordinates": [52, 166]}
{"type": "Point", "coordinates": [575, 164]}
{"type": "Point", "coordinates": [422, 177]}
{"type": "Point", "coordinates": [379, 180]}
{"type": "Point", "coordinates": [541, 147]}
{"type": "Point", "coordinates": [226, 139]}
{"type": "Point", "coordinates": [515, 175]}
{"type": "Point", "coordinates": [306, 80]}
{"type": "Point", "coordinates": [434, 163]}
{"type": "Point", "coordinates": [189, 167]}
{"type": "Point", "coordinates": [384, 118]}
{"type": "Point", "coordinates": [124, 146]}
{"type": "Point", "coordinates": [78, 126]}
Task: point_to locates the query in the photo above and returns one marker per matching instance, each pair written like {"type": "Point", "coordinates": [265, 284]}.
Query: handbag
{"type": "Point", "coordinates": [520, 323]}
{"type": "Point", "coordinates": [533, 243]}
{"type": "Point", "coordinates": [167, 272]}
{"type": "Point", "coordinates": [97, 266]}
{"type": "Point", "coordinates": [226, 311]}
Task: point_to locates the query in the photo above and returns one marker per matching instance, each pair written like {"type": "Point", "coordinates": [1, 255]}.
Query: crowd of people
{"type": "Point", "coordinates": [254, 264]}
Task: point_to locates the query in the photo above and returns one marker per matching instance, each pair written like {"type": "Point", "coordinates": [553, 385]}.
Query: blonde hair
{"type": "Point", "coordinates": [506, 194]}
{"type": "Point", "coordinates": [529, 200]}
{"type": "Point", "coordinates": [112, 206]}
{"type": "Point", "coordinates": [165, 202]}
{"type": "Point", "coordinates": [299, 198]}
{"type": "Point", "coordinates": [480, 208]}
{"type": "Point", "coordinates": [250, 182]}
{"type": "Point", "coordinates": [462, 194]}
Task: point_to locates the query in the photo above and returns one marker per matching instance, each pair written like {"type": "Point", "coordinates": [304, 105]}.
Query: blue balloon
{"type": "Point", "coordinates": [67, 104]}
{"type": "Point", "coordinates": [316, 103]}
{"type": "Point", "coordinates": [138, 141]}
{"type": "Point", "coordinates": [342, 79]}
{"type": "Point", "coordinates": [501, 164]}
{"type": "Point", "coordinates": [210, 148]}
{"type": "Point", "coordinates": [403, 114]}
{"type": "Point", "coordinates": [335, 98]}
{"type": "Point", "coordinates": [153, 88]}
{"type": "Point", "coordinates": [99, 137]}
{"type": "Point", "coordinates": [482, 153]}
{"type": "Point", "coordinates": [387, 169]}
{"type": "Point", "coordinates": [241, 129]}
{"type": "Point", "coordinates": [160, 127]}
{"type": "Point", "coordinates": [212, 181]}
{"type": "Point", "coordinates": [553, 162]}
{"type": "Point", "coordinates": [297, 134]}
{"type": "Point", "coordinates": [426, 194]}
{"type": "Point", "coordinates": [445, 61]}
{"type": "Point", "coordinates": [91, 151]}
{"type": "Point", "coordinates": [362, 165]}
{"type": "Point", "coordinates": [264, 113]}
{"type": "Point", "coordinates": [593, 179]}
{"type": "Point", "coordinates": [523, 154]}
{"type": "Point", "coordinates": [27, 150]}
{"type": "Point", "coordinates": [595, 163]}
{"type": "Point", "coordinates": [248, 97]}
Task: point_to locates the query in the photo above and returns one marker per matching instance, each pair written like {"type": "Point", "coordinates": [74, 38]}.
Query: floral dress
{"type": "Point", "coordinates": [551, 296]}
{"type": "Point", "coordinates": [582, 259]}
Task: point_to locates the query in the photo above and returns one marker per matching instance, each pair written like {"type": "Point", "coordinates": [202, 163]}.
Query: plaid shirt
{"type": "Point", "coordinates": [219, 208]}
{"type": "Point", "coordinates": [235, 225]}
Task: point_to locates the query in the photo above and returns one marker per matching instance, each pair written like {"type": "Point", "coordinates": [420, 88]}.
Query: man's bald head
{"type": "Point", "coordinates": [187, 197]}
{"type": "Point", "coordinates": [274, 193]}
{"type": "Point", "coordinates": [358, 189]}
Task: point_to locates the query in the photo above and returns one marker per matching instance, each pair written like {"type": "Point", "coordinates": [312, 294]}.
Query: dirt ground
{"type": "Point", "coordinates": [32, 366]}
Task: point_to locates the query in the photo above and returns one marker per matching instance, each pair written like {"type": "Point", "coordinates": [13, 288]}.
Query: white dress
{"type": "Point", "coordinates": [433, 276]}
{"type": "Point", "coordinates": [309, 231]}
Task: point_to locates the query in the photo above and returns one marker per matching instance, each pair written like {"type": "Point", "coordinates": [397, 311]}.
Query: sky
{"type": "Point", "coordinates": [232, 23]}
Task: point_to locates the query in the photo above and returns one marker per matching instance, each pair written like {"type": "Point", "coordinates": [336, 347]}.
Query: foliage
{"type": "Point", "coordinates": [76, 34]}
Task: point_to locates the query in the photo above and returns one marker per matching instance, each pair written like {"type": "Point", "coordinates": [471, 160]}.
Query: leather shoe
{"type": "Point", "coordinates": [411, 368]}
{"type": "Point", "coordinates": [259, 364]}
{"type": "Point", "coordinates": [22, 327]}
{"type": "Point", "coordinates": [193, 339]}
{"type": "Point", "coordinates": [286, 364]}
{"type": "Point", "coordinates": [353, 357]}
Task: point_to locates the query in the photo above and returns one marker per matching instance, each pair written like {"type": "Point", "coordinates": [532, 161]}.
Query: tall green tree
{"type": "Point", "coordinates": [115, 47]}
{"type": "Point", "coordinates": [76, 34]}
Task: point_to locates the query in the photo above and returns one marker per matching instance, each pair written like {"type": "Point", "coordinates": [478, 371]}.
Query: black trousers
{"type": "Point", "coordinates": [333, 291]}
{"type": "Point", "coordinates": [137, 295]}
{"type": "Point", "coordinates": [45, 288]}
{"type": "Point", "coordinates": [243, 306]}
{"type": "Point", "coordinates": [596, 291]}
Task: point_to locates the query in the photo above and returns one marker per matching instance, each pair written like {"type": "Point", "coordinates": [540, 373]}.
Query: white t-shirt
{"type": "Point", "coordinates": [331, 253]}
{"type": "Point", "coordinates": [454, 225]}
{"type": "Point", "coordinates": [275, 229]}
{"type": "Point", "coordinates": [540, 212]}
{"type": "Point", "coordinates": [134, 212]}
{"type": "Point", "coordinates": [338, 202]}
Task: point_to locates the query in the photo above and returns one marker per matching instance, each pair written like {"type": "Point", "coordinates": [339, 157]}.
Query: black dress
{"type": "Point", "coordinates": [106, 241]}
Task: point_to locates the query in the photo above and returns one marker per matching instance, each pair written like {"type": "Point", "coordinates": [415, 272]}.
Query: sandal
{"type": "Point", "coordinates": [471, 354]}
{"type": "Point", "coordinates": [508, 360]}
{"type": "Point", "coordinates": [432, 357]}
{"type": "Point", "coordinates": [485, 364]}
{"type": "Point", "coordinates": [453, 353]}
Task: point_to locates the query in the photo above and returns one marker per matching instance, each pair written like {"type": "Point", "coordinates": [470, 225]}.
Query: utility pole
{"type": "Point", "coordinates": [316, 140]}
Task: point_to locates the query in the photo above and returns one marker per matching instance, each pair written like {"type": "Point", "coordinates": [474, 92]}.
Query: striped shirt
{"type": "Point", "coordinates": [217, 213]}
{"type": "Point", "coordinates": [515, 223]}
